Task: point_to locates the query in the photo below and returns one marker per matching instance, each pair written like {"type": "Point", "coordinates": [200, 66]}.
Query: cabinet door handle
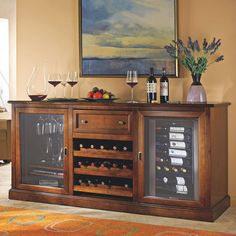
{"type": "Point", "coordinates": [139, 156]}
{"type": "Point", "coordinates": [83, 121]}
{"type": "Point", "coordinates": [121, 122]}
{"type": "Point", "coordinates": [65, 151]}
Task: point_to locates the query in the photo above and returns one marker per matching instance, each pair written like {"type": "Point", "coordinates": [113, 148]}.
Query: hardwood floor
{"type": "Point", "coordinates": [226, 223]}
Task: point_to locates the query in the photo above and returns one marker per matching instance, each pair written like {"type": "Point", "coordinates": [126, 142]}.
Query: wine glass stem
{"type": "Point", "coordinates": [55, 92]}
{"type": "Point", "coordinates": [132, 94]}
{"type": "Point", "coordinates": [72, 92]}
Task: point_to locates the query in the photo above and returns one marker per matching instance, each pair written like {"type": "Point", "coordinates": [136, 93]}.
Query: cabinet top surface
{"type": "Point", "coordinates": [81, 103]}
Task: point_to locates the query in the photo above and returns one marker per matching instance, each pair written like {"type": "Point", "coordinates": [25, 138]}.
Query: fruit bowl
{"type": "Point", "coordinates": [100, 94]}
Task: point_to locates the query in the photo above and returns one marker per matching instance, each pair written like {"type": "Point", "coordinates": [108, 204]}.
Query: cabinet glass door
{"type": "Point", "coordinates": [171, 158]}
{"type": "Point", "coordinates": [42, 149]}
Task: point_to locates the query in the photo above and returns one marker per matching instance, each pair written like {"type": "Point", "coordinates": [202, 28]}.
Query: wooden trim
{"type": "Point", "coordinates": [180, 212]}
{"type": "Point", "coordinates": [104, 154]}
{"type": "Point", "coordinates": [103, 171]}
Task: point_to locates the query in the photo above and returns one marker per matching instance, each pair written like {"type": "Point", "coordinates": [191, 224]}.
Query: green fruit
{"type": "Point", "coordinates": [95, 89]}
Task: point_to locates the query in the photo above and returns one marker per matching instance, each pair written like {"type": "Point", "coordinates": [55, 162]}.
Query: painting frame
{"type": "Point", "coordinates": [100, 66]}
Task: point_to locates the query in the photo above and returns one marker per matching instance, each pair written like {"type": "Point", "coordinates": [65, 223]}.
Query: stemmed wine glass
{"type": "Point", "coordinates": [132, 80]}
{"type": "Point", "coordinates": [63, 83]}
{"type": "Point", "coordinates": [72, 80]}
{"type": "Point", "coordinates": [54, 79]}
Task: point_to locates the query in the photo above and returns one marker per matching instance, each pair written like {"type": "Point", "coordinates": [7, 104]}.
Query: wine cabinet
{"type": "Point", "coordinates": [158, 159]}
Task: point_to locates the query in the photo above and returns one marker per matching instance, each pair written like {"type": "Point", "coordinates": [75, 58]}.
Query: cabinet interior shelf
{"type": "Point", "coordinates": [47, 167]}
{"type": "Point", "coordinates": [46, 175]}
{"type": "Point", "coordinates": [107, 190]}
{"type": "Point", "coordinates": [86, 152]}
{"type": "Point", "coordinates": [103, 171]}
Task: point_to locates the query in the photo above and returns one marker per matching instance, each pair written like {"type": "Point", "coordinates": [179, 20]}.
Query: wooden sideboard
{"type": "Point", "coordinates": [159, 159]}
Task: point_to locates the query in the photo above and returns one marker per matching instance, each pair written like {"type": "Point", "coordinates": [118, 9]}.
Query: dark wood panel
{"type": "Point", "coordinates": [218, 139]}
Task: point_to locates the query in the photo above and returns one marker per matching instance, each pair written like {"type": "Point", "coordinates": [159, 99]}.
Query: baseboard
{"type": "Point", "coordinates": [233, 201]}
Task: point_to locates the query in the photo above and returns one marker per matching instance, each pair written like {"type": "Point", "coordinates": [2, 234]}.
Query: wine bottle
{"type": "Point", "coordinates": [164, 87]}
{"type": "Point", "coordinates": [180, 136]}
{"type": "Point", "coordinates": [173, 180]}
{"type": "Point", "coordinates": [151, 87]}
{"type": "Point", "coordinates": [107, 164]}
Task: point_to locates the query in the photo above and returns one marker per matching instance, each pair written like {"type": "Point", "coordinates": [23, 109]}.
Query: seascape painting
{"type": "Point", "coordinates": [121, 35]}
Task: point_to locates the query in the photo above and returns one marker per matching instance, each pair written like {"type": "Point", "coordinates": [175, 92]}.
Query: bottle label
{"type": "Point", "coordinates": [151, 87]}
{"type": "Point", "coordinates": [164, 89]}
{"type": "Point", "coordinates": [177, 153]}
{"type": "Point", "coordinates": [176, 136]}
{"type": "Point", "coordinates": [180, 181]}
{"type": "Point", "coordinates": [177, 129]}
{"type": "Point", "coordinates": [182, 189]}
{"type": "Point", "coordinates": [176, 161]}
{"type": "Point", "coordinates": [176, 144]}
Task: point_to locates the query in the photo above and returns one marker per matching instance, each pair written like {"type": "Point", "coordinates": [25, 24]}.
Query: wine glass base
{"type": "Point", "coordinates": [132, 101]}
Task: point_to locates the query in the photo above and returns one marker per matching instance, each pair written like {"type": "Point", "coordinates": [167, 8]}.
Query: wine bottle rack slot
{"type": "Point", "coordinates": [103, 185]}
{"type": "Point", "coordinates": [114, 145]}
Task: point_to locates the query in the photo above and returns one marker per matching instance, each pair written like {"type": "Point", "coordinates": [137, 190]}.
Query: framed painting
{"type": "Point", "coordinates": [121, 35]}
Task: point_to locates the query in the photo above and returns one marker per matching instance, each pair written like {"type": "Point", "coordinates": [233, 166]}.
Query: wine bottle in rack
{"type": "Point", "coordinates": [80, 163]}
{"type": "Point", "coordinates": [180, 129]}
{"type": "Point", "coordinates": [161, 129]}
{"type": "Point", "coordinates": [107, 164]}
{"type": "Point", "coordinates": [173, 180]}
{"type": "Point", "coordinates": [180, 162]}
{"type": "Point", "coordinates": [180, 145]}
{"type": "Point", "coordinates": [164, 137]}
{"type": "Point", "coordinates": [180, 137]}
{"type": "Point", "coordinates": [180, 153]}
{"type": "Point", "coordinates": [97, 163]}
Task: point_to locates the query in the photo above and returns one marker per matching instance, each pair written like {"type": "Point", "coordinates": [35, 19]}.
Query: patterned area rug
{"type": "Point", "coordinates": [24, 222]}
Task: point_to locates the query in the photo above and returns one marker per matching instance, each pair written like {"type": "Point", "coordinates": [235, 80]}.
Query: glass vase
{"type": "Point", "coordinates": [37, 85]}
{"type": "Point", "coordinates": [196, 92]}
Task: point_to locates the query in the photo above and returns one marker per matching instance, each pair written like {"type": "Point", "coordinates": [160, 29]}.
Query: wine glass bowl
{"type": "Point", "coordinates": [54, 79]}
{"type": "Point", "coordinates": [132, 81]}
{"type": "Point", "coordinates": [72, 80]}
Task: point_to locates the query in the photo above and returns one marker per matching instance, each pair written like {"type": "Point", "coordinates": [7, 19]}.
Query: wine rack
{"type": "Point", "coordinates": [103, 167]}
{"type": "Point", "coordinates": [175, 162]}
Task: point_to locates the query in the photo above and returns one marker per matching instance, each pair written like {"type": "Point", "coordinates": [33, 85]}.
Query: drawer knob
{"type": "Point", "coordinates": [83, 121]}
{"type": "Point", "coordinates": [121, 122]}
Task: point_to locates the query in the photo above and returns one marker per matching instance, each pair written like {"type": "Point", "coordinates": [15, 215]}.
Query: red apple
{"type": "Point", "coordinates": [90, 94]}
{"type": "Point", "coordinates": [97, 95]}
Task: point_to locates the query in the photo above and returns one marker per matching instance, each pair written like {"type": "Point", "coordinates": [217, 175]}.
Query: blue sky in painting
{"type": "Point", "coordinates": [108, 15]}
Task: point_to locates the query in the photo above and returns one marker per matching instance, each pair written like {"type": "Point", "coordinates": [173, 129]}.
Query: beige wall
{"type": "Point", "coordinates": [47, 31]}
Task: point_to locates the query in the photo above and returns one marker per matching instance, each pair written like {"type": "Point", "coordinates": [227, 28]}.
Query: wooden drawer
{"type": "Point", "coordinates": [104, 122]}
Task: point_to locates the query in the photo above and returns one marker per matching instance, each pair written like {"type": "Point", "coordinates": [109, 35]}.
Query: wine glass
{"type": "Point", "coordinates": [63, 83]}
{"type": "Point", "coordinates": [132, 80]}
{"type": "Point", "coordinates": [72, 80]}
{"type": "Point", "coordinates": [54, 79]}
